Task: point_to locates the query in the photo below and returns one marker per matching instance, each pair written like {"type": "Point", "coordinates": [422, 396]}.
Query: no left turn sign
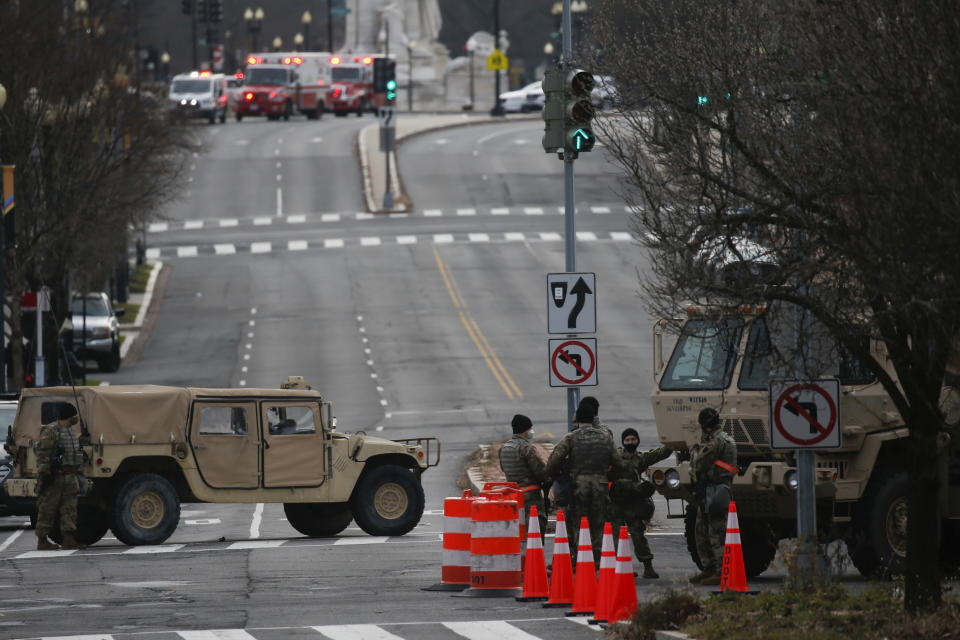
{"type": "Point", "coordinates": [573, 362]}
{"type": "Point", "coordinates": [805, 415]}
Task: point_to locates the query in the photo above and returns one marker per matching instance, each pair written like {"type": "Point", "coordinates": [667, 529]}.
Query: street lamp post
{"type": "Point", "coordinates": [497, 109]}
{"type": "Point", "coordinates": [277, 43]}
{"type": "Point", "coordinates": [578, 8]}
{"type": "Point", "coordinates": [254, 20]}
{"type": "Point", "coordinates": [297, 41]}
{"type": "Point", "coordinates": [165, 65]}
{"type": "Point", "coordinates": [411, 44]}
{"type": "Point", "coordinates": [305, 20]}
{"type": "Point", "coordinates": [548, 52]}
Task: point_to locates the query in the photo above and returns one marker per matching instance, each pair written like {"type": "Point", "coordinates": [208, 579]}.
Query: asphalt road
{"type": "Point", "coordinates": [428, 324]}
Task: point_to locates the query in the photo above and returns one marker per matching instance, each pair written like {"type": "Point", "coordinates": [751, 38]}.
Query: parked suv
{"type": "Point", "coordinates": [147, 449]}
{"type": "Point", "coordinates": [95, 330]}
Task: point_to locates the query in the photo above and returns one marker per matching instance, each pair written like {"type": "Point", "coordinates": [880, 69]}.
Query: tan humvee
{"type": "Point", "coordinates": [150, 448]}
{"type": "Point", "coordinates": [861, 487]}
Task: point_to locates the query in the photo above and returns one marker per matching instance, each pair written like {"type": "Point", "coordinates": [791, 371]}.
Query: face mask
{"type": "Point", "coordinates": [631, 447]}
{"type": "Point", "coordinates": [528, 434]}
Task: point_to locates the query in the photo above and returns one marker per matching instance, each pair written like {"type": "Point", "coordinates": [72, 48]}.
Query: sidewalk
{"type": "Point", "coordinates": [130, 331]}
{"type": "Point", "coordinates": [373, 162]}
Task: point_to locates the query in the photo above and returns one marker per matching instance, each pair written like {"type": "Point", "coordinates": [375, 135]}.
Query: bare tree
{"type": "Point", "coordinates": [95, 155]}
{"type": "Point", "coordinates": [818, 136]}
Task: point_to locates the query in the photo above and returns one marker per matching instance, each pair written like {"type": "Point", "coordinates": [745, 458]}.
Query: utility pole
{"type": "Point", "coordinates": [387, 192]}
{"type": "Point", "coordinates": [497, 109]}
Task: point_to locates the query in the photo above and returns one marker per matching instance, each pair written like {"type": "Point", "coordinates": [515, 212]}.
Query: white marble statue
{"type": "Point", "coordinates": [412, 22]}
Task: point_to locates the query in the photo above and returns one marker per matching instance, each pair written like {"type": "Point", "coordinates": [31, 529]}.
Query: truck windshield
{"type": "Point", "coordinates": [345, 74]}
{"type": "Point", "coordinates": [704, 356]}
{"type": "Point", "coordinates": [755, 371]}
{"type": "Point", "coordinates": [266, 76]}
{"type": "Point", "coordinates": [190, 86]}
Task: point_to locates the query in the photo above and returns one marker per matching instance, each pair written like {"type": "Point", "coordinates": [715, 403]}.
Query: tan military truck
{"type": "Point", "coordinates": [721, 359]}
{"type": "Point", "coordinates": [151, 448]}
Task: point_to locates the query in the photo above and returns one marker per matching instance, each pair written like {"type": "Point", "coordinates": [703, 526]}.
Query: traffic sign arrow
{"type": "Point", "coordinates": [581, 290]}
{"type": "Point", "coordinates": [582, 139]}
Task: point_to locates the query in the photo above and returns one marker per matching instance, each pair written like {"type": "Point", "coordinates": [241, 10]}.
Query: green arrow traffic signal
{"type": "Point", "coordinates": [391, 90]}
{"type": "Point", "coordinates": [582, 139]}
{"type": "Point", "coordinates": [578, 110]}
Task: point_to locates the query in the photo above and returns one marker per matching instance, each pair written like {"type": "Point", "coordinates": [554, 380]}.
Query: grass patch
{"type": "Point", "coordinates": [827, 612]}
{"type": "Point", "coordinates": [139, 277]}
{"type": "Point", "coordinates": [90, 382]}
{"type": "Point", "coordinates": [131, 309]}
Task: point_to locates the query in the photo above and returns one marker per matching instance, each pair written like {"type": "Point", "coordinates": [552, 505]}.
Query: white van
{"type": "Point", "coordinates": [199, 94]}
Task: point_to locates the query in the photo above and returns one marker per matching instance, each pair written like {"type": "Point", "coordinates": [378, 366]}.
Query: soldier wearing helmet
{"type": "Point", "coordinates": [712, 467]}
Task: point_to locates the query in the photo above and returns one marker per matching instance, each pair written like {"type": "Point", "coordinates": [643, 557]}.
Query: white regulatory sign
{"type": "Point", "coordinates": [805, 415]}
{"type": "Point", "coordinates": [573, 362]}
{"type": "Point", "coordinates": [386, 116]}
{"type": "Point", "coordinates": [571, 303]}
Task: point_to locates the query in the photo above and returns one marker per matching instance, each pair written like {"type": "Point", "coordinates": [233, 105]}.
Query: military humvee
{"type": "Point", "coordinates": [151, 448]}
{"type": "Point", "coordinates": [721, 359]}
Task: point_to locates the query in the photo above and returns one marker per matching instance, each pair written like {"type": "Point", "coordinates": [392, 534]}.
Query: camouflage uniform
{"type": "Point", "coordinates": [521, 464]}
{"type": "Point", "coordinates": [59, 458]}
{"type": "Point", "coordinates": [630, 511]}
{"type": "Point", "coordinates": [591, 454]}
{"type": "Point", "coordinates": [710, 531]}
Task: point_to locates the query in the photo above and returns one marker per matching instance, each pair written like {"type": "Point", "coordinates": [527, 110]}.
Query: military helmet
{"type": "Point", "coordinates": [709, 419]}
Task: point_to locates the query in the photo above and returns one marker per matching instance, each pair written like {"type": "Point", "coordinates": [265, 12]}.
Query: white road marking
{"type": "Point", "coordinates": [186, 252]}
{"type": "Point", "coordinates": [500, 211]}
{"type": "Point", "coordinates": [261, 222]}
{"type": "Point", "coordinates": [153, 254]}
{"type": "Point", "coordinates": [193, 224]}
{"type": "Point", "coordinates": [224, 249]}
{"type": "Point", "coordinates": [383, 402]}
{"type": "Point", "coordinates": [153, 584]}
{"type": "Point", "coordinates": [261, 247]}
{"type": "Point", "coordinates": [364, 216]}
{"type": "Point", "coordinates": [550, 236]}
{"type": "Point", "coordinates": [398, 215]}
{"type": "Point", "coordinates": [333, 243]}
{"type": "Point", "coordinates": [600, 209]}
{"type": "Point", "coordinates": [298, 219]}
{"type": "Point", "coordinates": [243, 383]}
{"type": "Point", "coordinates": [279, 199]}
{"type": "Point", "coordinates": [216, 634]}
{"type": "Point", "coordinates": [317, 139]}
{"type": "Point", "coordinates": [370, 241]}
{"type": "Point", "coordinates": [406, 239]}
{"type": "Point", "coordinates": [257, 518]}
{"type": "Point", "coordinates": [487, 629]}
{"type": "Point", "coordinates": [441, 141]}
{"type": "Point", "coordinates": [228, 222]}
{"type": "Point", "coordinates": [586, 235]}
{"type": "Point", "coordinates": [620, 236]}
{"type": "Point", "coordinates": [279, 164]}
{"type": "Point", "coordinates": [330, 217]}
{"type": "Point", "coordinates": [158, 227]}
{"type": "Point", "coordinates": [442, 238]}
{"type": "Point", "coordinates": [356, 632]}
{"type": "Point", "coordinates": [297, 245]}
{"type": "Point", "coordinates": [248, 346]}
{"type": "Point", "coordinates": [154, 548]}
{"type": "Point", "coordinates": [45, 554]}
{"type": "Point", "coordinates": [246, 356]}
{"type": "Point", "coordinates": [533, 211]}
{"type": "Point", "coordinates": [479, 237]}
{"type": "Point", "coordinates": [361, 540]}
{"type": "Point", "coordinates": [467, 212]}
{"type": "Point", "coordinates": [101, 636]}
{"type": "Point", "coordinates": [429, 213]}
{"type": "Point", "coordinates": [203, 521]}
{"type": "Point", "coordinates": [256, 544]}
{"type": "Point", "coordinates": [9, 541]}
{"type": "Point", "coordinates": [514, 236]}
{"type": "Point", "coordinates": [243, 142]}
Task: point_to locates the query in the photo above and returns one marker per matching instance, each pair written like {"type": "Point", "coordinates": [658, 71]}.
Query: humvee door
{"type": "Point", "coordinates": [293, 444]}
{"type": "Point", "coordinates": [226, 443]}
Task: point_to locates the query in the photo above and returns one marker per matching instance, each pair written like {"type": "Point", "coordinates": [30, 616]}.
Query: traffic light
{"type": "Point", "coordinates": [186, 6]}
{"type": "Point", "coordinates": [578, 111]}
{"type": "Point", "coordinates": [553, 110]}
{"type": "Point", "coordinates": [379, 75]}
{"type": "Point", "coordinates": [215, 10]}
{"type": "Point", "coordinates": [202, 14]}
{"type": "Point", "coordinates": [390, 84]}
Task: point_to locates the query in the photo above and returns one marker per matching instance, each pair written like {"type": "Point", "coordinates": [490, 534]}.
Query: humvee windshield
{"type": "Point", "coordinates": [704, 356]}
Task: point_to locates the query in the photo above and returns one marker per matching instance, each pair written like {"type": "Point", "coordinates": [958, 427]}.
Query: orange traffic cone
{"type": "Point", "coordinates": [624, 594]}
{"type": "Point", "coordinates": [608, 567]}
{"type": "Point", "coordinates": [535, 566]}
{"type": "Point", "coordinates": [561, 578]}
{"type": "Point", "coordinates": [585, 585]}
{"type": "Point", "coordinates": [733, 576]}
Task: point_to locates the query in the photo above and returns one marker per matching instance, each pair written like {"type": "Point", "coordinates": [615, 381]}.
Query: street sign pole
{"type": "Point", "coordinates": [387, 192]}
{"type": "Point", "coordinates": [569, 209]}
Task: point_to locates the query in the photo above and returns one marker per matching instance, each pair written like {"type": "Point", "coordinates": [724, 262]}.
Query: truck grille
{"type": "Point", "coordinates": [748, 431]}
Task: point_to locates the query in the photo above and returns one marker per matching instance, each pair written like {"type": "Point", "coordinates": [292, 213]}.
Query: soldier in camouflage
{"type": "Point", "coordinates": [631, 494]}
{"type": "Point", "coordinates": [712, 462]}
{"type": "Point", "coordinates": [521, 464]}
{"type": "Point", "coordinates": [59, 460]}
{"type": "Point", "coordinates": [591, 456]}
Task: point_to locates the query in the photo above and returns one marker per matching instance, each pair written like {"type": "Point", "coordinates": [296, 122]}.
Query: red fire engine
{"type": "Point", "coordinates": [351, 85]}
{"type": "Point", "coordinates": [277, 85]}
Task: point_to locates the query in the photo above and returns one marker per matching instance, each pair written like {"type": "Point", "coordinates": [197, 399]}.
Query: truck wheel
{"type": "Point", "coordinates": [388, 501]}
{"type": "Point", "coordinates": [757, 537]}
{"type": "Point", "coordinates": [878, 545]}
{"type": "Point", "coordinates": [92, 524]}
{"type": "Point", "coordinates": [146, 510]}
{"type": "Point", "coordinates": [689, 533]}
{"type": "Point", "coordinates": [318, 519]}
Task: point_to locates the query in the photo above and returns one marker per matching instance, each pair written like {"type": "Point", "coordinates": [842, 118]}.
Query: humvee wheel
{"type": "Point", "coordinates": [92, 524]}
{"type": "Point", "coordinates": [878, 547]}
{"type": "Point", "coordinates": [318, 519]}
{"type": "Point", "coordinates": [759, 543]}
{"type": "Point", "coordinates": [146, 510]}
{"type": "Point", "coordinates": [388, 501]}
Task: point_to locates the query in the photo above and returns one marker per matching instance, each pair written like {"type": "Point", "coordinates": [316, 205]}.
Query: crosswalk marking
{"type": "Point", "coordinates": [224, 249]}
{"type": "Point", "coordinates": [489, 629]}
{"type": "Point", "coordinates": [297, 245]}
{"type": "Point", "coordinates": [432, 213]}
{"type": "Point", "coordinates": [45, 554]}
{"type": "Point", "coordinates": [620, 236]}
{"type": "Point", "coordinates": [533, 211]}
{"type": "Point", "coordinates": [298, 219]}
{"type": "Point", "coordinates": [153, 254]}
{"type": "Point", "coordinates": [479, 237]}
{"type": "Point", "coordinates": [256, 544]}
{"type": "Point", "coordinates": [193, 224]}
{"type": "Point", "coordinates": [586, 236]}
{"type": "Point", "coordinates": [361, 540]}
{"type": "Point", "coordinates": [264, 221]}
{"type": "Point", "coordinates": [466, 212]}
{"type": "Point", "coordinates": [442, 238]}
{"type": "Point", "coordinates": [356, 632]}
{"type": "Point", "coordinates": [158, 227]}
{"type": "Point", "coordinates": [154, 548]}
{"type": "Point", "coordinates": [406, 239]}
{"type": "Point", "coordinates": [600, 209]}
{"type": "Point", "coordinates": [514, 236]}
{"type": "Point", "coordinates": [186, 252]}
{"type": "Point", "coordinates": [260, 247]}
{"type": "Point", "coordinates": [365, 216]}
{"type": "Point", "coordinates": [550, 236]}
{"type": "Point", "coordinates": [500, 211]}
{"type": "Point", "coordinates": [330, 217]}
{"type": "Point", "coordinates": [370, 241]}
{"type": "Point", "coordinates": [228, 222]}
{"type": "Point", "coordinates": [333, 243]}
{"type": "Point", "coordinates": [216, 634]}
{"type": "Point", "coordinates": [101, 636]}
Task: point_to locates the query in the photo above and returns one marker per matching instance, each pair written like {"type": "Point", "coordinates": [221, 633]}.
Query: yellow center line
{"type": "Point", "coordinates": [507, 383]}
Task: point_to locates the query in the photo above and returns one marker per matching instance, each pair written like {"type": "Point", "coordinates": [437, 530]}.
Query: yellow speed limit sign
{"type": "Point", "coordinates": [497, 61]}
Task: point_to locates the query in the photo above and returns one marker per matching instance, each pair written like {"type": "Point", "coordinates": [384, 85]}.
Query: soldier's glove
{"type": "Point", "coordinates": [42, 483]}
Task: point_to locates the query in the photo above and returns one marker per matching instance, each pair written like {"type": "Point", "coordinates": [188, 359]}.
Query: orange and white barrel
{"type": "Point", "coordinates": [457, 522]}
{"type": "Point", "coordinates": [494, 549]}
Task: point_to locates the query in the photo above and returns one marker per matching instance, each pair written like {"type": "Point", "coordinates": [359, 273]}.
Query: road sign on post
{"type": "Point", "coordinates": [571, 303]}
{"type": "Point", "coordinates": [805, 415]}
{"type": "Point", "coordinates": [573, 362]}
{"type": "Point", "coordinates": [497, 61]}
{"type": "Point", "coordinates": [387, 118]}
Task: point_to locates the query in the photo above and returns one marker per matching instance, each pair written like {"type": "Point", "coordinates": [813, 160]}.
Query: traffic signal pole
{"type": "Point", "coordinates": [569, 202]}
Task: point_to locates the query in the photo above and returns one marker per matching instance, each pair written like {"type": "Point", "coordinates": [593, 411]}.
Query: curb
{"type": "Point", "coordinates": [133, 331]}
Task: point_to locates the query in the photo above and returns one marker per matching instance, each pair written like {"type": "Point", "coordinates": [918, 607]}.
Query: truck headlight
{"type": "Point", "coordinates": [672, 478]}
{"type": "Point", "coordinates": [100, 332]}
{"type": "Point", "coordinates": [790, 479]}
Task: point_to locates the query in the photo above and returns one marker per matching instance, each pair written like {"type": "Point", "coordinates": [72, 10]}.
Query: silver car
{"type": "Point", "coordinates": [96, 330]}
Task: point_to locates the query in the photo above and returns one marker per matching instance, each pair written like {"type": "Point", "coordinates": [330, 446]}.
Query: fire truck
{"type": "Point", "coordinates": [278, 84]}
{"type": "Point", "coordinates": [351, 85]}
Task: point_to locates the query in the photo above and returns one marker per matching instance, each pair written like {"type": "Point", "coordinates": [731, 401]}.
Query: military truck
{"type": "Point", "coordinates": [721, 359]}
{"type": "Point", "coordinates": [148, 449]}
